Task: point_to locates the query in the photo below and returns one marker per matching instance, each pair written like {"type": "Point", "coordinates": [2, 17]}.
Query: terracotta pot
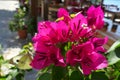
{"type": "Point", "coordinates": [22, 34]}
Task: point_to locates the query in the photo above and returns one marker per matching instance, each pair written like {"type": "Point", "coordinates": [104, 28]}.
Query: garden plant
{"type": "Point", "coordinates": [68, 49]}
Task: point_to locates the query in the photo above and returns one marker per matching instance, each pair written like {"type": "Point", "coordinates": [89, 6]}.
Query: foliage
{"type": "Point", "coordinates": [31, 25]}
{"type": "Point", "coordinates": [17, 70]}
{"type": "Point", "coordinates": [112, 72]}
{"type": "Point", "coordinates": [19, 21]}
{"type": "Point", "coordinates": [23, 20]}
{"type": "Point", "coordinates": [66, 50]}
{"type": "Point", "coordinates": [113, 53]}
{"type": "Point", "coordinates": [8, 71]}
{"type": "Point", "coordinates": [15, 67]}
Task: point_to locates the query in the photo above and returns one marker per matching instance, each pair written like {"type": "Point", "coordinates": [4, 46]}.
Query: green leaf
{"type": "Point", "coordinates": [99, 76]}
{"type": "Point", "coordinates": [113, 53]}
{"type": "Point", "coordinates": [118, 65]}
{"type": "Point", "coordinates": [1, 59]}
{"type": "Point", "coordinates": [45, 69]}
{"type": "Point", "coordinates": [58, 73]}
{"type": "Point", "coordinates": [118, 77]}
{"type": "Point", "coordinates": [14, 72]}
{"type": "Point", "coordinates": [76, 76]}
{"type": "Point", "coordinates": [117, 43]}
{"type": "Point", "coordinates": [112, 58]}
{"type": "Point", "coordinates": [9, 77]}
{"type": "Point", "coordinates": [45, 76]}
{"type": "Point", "coordinates": [24, 62]}
{"type": "Point", "coordinates": [20, 76]}
{"type": "Point", "coordinates": [87, 77]}
{"type": "Point", "coordinates": [1, 78]}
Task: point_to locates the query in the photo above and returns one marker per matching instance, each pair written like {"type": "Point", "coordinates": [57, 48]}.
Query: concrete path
{"type": "Point", "coordinates": [7, 9]}
{"type": "Point", "coordinates": [10, 39]}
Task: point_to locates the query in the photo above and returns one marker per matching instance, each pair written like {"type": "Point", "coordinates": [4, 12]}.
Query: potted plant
{"type": "Point", "coordinates": [19, 23]}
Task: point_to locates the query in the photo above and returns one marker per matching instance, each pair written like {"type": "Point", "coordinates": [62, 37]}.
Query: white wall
{"type": "Point", "coordinates": [114, 2]}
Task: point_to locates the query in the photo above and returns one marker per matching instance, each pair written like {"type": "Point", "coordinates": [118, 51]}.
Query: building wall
{"type": "Point", "coordinates": [112, 2]}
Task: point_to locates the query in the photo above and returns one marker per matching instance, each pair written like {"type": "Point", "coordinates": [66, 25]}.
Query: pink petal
{"type": "Point", "coordinates": [86, 69]}
{"type": "Point", "coordinates": [62, 12]}
{"type": "Point", "coordinates": [76, 25]}
{"type": "Point", "coordinates": [94, 61]}
{"type": "Point", "coordinates": [99, 41]}
{"type": "Point", "coordinates": [62, 30]}
{"type": "Point", "coordinates": [70, 58]}
{"type": "Point", "coordinates": [99, 61]}
{"type": "Point", "coordinates": [95, 17]}
{"type": "Point", "coordinates": [56, 57]}
{"type": "Point", "coordinates": [90, 10]}
{"type": "Point", "coordinates": [40, 61]}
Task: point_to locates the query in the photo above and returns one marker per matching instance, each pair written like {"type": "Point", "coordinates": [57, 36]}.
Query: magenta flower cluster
{"type": "Point", "coordinates": [70, 41]}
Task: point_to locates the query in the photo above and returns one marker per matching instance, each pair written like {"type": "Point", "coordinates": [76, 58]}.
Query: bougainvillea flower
{"type": "Point", "coordinates": [93, 61]}
{"type": "Point", "coordinates": [95, 17]}
{"type": "Point", "coordinates": [86, 56]}
{"type": "Point", "coordinates": [57, 57]}
{"type": "Point", "coordinates": [63, 15]}
{"type": "Point", "coordinates": [79, 27]}
{"type": "Point", "coordinates": [47, 32]}
{"type": "Point", "coordinates": [99, 41]}
{"type": "Point", "coordinates": [59, 32]}
{"type": "Point", "coordinates": [62, 12]}
{"type": "Point", "coordinates": [42, 38]}
{"type": "Point", "coordinates": [45, 41]}
{"type": "Point", "coordinates": [55, 32]}
{"type": "Point", "coordinates": [43, 25]}
{"type": "Point", "coordinates": [98, 44]}
{"type": "Point", "coordinates": [40, 61]}
{"type": "Point", "coordinates": [76, 54]}
{"type": "Point", "coordinates": [46, 57]}
{"type": "Point", "coordinates": [71, 39]}
{"type": "Point", "coordinates": [63, 31]}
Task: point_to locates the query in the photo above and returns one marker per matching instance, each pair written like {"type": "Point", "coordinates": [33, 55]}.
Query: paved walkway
{"type": "Point", "coordinates": [10, 39]}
